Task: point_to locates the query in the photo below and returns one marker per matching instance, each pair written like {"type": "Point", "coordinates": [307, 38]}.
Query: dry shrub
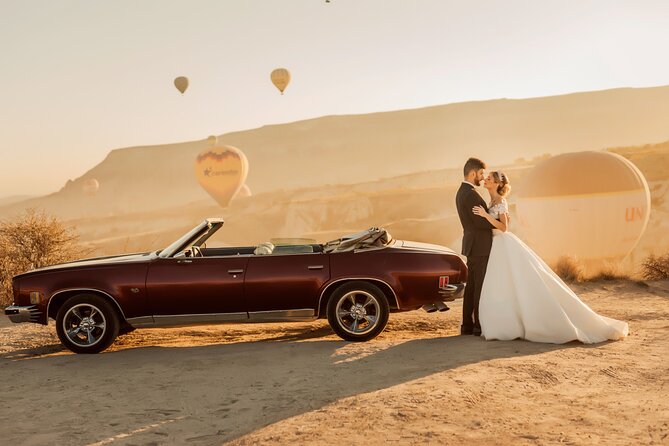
{"type": "Point", "coordinates": [655, 267]}
{"type": "Point", "coordinates": [609, 272]}
{"type": "Point", "coordinates": [569, 269]}
{"type": "Point", "coordinates": [33, 240]}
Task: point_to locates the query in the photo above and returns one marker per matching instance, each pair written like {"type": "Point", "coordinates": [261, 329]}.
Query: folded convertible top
{"type": "Point", "coordinates": [370, 238]}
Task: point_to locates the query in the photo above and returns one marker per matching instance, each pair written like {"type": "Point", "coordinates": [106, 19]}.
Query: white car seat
{"type": "Point", "coordinates": [264, 249]}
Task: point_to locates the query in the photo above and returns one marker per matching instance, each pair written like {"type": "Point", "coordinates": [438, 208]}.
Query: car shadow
{"type": "Point", "coordinates": [27, 353]}
{"type": "Point", "coordinates": [221, 392]}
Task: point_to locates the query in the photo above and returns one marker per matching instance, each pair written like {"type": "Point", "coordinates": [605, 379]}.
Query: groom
{"type": "Point", "coordinates": [476, 243]}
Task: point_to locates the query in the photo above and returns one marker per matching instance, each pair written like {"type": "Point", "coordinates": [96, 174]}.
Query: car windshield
{"type": "Point", "coordinates": [368, 239]}
{"type": "Point", "coordinates": [196, 236]}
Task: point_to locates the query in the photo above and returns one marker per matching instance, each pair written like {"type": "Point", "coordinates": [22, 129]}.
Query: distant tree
{"type": "Point", "coordinates": [33, 240]}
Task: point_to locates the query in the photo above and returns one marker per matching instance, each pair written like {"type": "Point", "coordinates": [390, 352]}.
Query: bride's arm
{"type": "Point", "coordinates": [501, 224]}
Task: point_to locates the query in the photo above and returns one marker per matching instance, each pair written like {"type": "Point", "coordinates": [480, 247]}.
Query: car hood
{"type": "Point", "coordinates": [108, 260]}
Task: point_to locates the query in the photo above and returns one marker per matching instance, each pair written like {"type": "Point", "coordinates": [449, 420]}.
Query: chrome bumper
{"type": "Point", "coordinates": [452, 291]}
{"type": "Point", "coordinates": [18, 314]}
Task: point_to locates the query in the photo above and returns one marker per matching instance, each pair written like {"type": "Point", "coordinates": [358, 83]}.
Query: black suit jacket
{"type": "Point", "coordinates": [477, 239]}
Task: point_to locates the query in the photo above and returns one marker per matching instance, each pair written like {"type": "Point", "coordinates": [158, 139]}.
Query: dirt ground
{"type": "Point", "coordinates": [417, 383]}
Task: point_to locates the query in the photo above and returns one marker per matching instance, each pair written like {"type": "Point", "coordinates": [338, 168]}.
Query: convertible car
{"type": "Point", "coordinates": [355, 281]}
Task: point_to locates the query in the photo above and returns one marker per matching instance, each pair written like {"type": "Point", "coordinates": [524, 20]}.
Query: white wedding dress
{"type": "Point", "coordinates": [523, 298]}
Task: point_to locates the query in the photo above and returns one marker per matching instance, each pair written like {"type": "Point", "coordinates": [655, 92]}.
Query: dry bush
{"type": "Point", "coordinates": [655, 267]}
{"type": "Point", "coordinates": [569, 269]}
{"type": "Point", "coordinates": [33, 240]}
{"type": "Point", "coordinates": [609, 272]}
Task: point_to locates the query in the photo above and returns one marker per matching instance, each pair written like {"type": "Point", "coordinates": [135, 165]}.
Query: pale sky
{"type": "Point", "coordinates": [80, 78]}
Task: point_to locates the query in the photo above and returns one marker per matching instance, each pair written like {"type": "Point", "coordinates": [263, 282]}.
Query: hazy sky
{"type": "Point", "coordinates": [80, 78]}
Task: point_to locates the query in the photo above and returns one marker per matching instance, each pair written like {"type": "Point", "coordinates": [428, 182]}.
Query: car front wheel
{"type": "Point", "coordinates": [358, 311]}
{"type": "Point", "coordinates": [87, 324]}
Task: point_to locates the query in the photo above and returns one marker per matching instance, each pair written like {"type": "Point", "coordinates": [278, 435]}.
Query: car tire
{"type": "Point", "coordinates": [358, 311]}
{"type": "Point", "coordinates": [87, 323]}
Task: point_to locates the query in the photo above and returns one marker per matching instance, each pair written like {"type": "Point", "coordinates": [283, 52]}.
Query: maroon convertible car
{"type": "Point", "coordinates": [354, 281]}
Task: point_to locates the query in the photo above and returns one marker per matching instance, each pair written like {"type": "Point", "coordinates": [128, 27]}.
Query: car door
{"type": "Point", "coordinates": [278, 284]}
{"type": "Point", "coordinates": [200, 286]}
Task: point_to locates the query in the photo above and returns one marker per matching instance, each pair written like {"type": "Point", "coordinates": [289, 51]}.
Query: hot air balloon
{"type": "Point", "coordinates": [280, 78]}
{"type": "Point", "coordinates": [590, 205]}
{"type": "Point", "coordinates": [90, 187]}
{"type": "Point", "coordinates": [181, 83]}
{"type": "Point", "coordinates": [212, 140]}
{"type": "Point", "coordinates": [221, 171]}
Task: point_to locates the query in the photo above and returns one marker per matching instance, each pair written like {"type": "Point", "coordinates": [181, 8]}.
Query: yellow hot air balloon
{"type": "Point", "coordinates": [280, 78]}
{"type": "Point", "coordinates": [221, 171]}
{"type": "Point", "coordinates": [590, 205]}
{"type": "Point", "coordinates": [181, 83]}
{"type": "Point", "coordinates": [90, 187]}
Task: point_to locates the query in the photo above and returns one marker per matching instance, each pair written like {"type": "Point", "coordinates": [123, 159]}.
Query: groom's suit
{"type": "Point", "coordinates": [476, 244]}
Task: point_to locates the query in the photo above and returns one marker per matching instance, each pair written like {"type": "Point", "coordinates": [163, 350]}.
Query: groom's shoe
{"type": "Point", "coordinates": [476, 331]}
{"type": "Point", "coordinates": [466, 330]}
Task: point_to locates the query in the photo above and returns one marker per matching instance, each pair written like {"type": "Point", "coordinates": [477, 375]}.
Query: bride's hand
{"type": "Point", "coordinates": [480, 211]}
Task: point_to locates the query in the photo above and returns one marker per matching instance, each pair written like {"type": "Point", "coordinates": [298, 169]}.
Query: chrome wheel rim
{"type": "Point", "coordinates": [358, 312]}
{"type": "Point", "coordinates": [84, 325]}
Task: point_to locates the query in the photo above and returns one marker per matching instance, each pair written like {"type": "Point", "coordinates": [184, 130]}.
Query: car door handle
{"type": "Point", "coordinates": [315, 267]}
{"type": "Point", "coordinates": [185, 261]}
{"type": "Point", "coordinates": [235, 271]}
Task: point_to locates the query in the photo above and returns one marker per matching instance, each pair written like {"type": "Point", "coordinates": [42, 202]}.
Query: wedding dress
{"type": "Point", "coordinates": [523, 298]}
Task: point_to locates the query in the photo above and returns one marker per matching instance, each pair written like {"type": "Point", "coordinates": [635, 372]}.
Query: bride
{"type": "Point", "coordinates": [522, 297]}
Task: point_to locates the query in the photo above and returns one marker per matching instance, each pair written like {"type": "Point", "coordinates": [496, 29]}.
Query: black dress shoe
{"type": "Point", "coordinates": [466, 331]}
{"type": "Point", "coordinates": [476, 332]}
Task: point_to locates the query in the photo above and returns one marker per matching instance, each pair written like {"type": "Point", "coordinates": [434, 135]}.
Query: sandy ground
{"type": "Point", "coordinates": [418, 383]}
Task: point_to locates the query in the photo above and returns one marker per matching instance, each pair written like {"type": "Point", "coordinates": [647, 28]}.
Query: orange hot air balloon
{"type": "Point", "coordinates": [280, 78]}
{"type": "Point", "coordinates": [181, 83]}
{"type": "Point", "coordinates": [221, 171]}
{"type": "Point", "coordinates": [90, 187]}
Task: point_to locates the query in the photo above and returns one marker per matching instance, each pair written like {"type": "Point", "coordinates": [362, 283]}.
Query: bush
{"type": "Point", "coordinates": [33, 240]}
{"type": "Point", "coordinates": [609, 272]}
{"type": "Point", "coordinates": [655, 267]}
{"type": "Point", "coordinates": [569, 269]}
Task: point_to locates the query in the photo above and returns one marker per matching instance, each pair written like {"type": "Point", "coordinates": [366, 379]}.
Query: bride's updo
{"type": "Point", "coordinates": [504, 187]}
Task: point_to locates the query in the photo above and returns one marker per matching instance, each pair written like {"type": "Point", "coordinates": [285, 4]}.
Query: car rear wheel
{"type": "Point", "coordinates": [87, 323]}
{"type": "Point", "coordinates": [358, 311]}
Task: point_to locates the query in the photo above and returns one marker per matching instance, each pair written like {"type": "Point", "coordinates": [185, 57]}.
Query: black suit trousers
{"type": "Point", "coordinates": [477, 266]}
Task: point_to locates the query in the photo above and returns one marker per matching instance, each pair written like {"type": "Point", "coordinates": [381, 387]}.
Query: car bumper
{"type": "Point", "coordinates": [19, 314]}
{"type": "Point", "coordinates": [452, 291]}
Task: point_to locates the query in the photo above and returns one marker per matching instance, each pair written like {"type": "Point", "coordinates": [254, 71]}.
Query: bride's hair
{"type": "Point", "coordinates": [504, 187]}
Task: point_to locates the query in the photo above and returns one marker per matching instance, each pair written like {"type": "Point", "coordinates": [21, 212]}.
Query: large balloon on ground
{"type": "Point", "coordinates": [221, 171]}
{"type": "Point", "coordinates": [280, 78]}
{"type": "Point", "coordinates": [90, 187]}
{"type": "Point", "coordinates": [181, 83]}
{"type": "Point", "coordinates": [589, 205]}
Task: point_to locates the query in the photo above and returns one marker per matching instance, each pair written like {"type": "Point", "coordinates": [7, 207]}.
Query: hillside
{"type": "Point", "coordinates": [418, 206]}
{"type": "Point", "coordinates": [363, 148]}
